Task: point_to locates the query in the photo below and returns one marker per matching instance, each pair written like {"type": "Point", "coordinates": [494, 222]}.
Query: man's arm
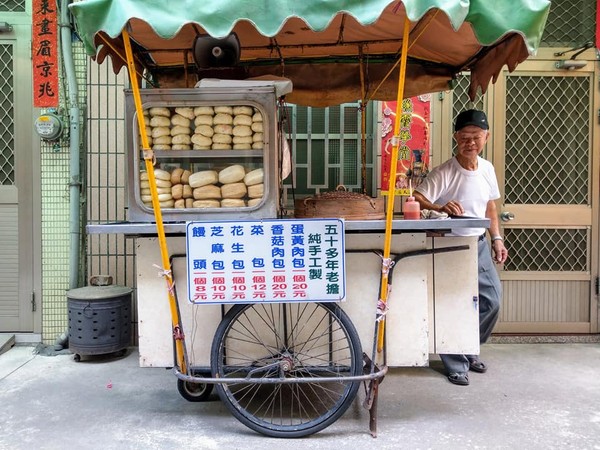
{"type": "Point", "coordinates": [425, 204]}
{"type": "Point", "coordinates": [500, 252]}
{"type": "Point", "coordinates": [452, 208]}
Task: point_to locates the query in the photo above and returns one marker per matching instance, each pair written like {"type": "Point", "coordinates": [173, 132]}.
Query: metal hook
{"type": "Point", "coordinates": [581, 48]}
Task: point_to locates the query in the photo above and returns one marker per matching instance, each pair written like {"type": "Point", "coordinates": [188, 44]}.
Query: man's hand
{"type": "Point", "coordinates": [500, 252]}
{"type": "Point", "coordinates": [453, 208]}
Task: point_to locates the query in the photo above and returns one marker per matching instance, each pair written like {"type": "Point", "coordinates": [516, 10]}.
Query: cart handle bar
{"type": "Point", "coordinates": [208, 380]}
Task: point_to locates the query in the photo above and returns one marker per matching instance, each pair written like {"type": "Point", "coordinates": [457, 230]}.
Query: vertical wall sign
{"type": "Point", "coordinates": [598, 24]}
{"type": "Point", "coordinates": [413, 152]}
{"type": "Point", "coordinates": [45, 54]}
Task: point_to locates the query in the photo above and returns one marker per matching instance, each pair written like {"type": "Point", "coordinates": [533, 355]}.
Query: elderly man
{"type": "Point", "coordinates": [466, 185]}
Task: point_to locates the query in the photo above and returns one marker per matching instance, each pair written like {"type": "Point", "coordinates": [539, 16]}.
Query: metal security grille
{"type": "Point", "coordinates": [547, 140]}
{"type": "Point", "coordinates": [7, 129]}
{"type": "Point", "coordinates": [547, 250]}
{"type": "Point", "coordinates": [106, 178]}
{"type": "Point", "coordinates": [326, 149]}
{"type": "Point", "coordinates": [570, 23]}
{"type": "Point", "coordinates": [12, 6]}
{"type": "Point", "coordinates": [461, 96]}
{"type": "Point", "coordinates": [55, 228]}
{"type": "Point", "coordinates": [108, 254]}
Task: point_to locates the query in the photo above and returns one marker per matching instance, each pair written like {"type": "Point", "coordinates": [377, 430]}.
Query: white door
{"type": "Point", "coordinates": [543, 150]}
{"type": "Point", "coordinates": [17, 302]}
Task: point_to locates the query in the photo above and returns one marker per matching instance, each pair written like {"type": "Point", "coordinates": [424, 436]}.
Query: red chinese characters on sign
{"type": "Point", "coordinates": [413, 149]}
{"type": "Point", "coordinates": [45, 54]}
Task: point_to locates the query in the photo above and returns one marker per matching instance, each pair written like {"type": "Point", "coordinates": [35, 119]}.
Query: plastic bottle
{"type": "Point", "coordinates": [412, 209]}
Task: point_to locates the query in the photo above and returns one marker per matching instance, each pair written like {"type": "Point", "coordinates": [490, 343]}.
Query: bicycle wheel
{"type": "Point", "coordinates": [289, 340]}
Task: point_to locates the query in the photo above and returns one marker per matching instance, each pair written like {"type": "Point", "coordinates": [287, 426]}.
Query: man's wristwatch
{"type": "Point", "coordinates": [497, 238]}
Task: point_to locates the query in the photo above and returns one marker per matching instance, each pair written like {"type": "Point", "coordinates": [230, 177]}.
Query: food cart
{"type": "Point", "coordinates": [293, 314]}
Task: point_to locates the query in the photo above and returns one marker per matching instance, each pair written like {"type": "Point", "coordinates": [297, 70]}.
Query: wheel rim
{"type": "Point", "coordinates": [195, 389]}
{"type": "Point", "coordinates": [304, 340]}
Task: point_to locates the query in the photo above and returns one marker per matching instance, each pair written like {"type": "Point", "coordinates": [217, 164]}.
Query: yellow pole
{"type": "Point", "coordinates": [162, 240]}
{"type": "Point", "coordinates": [389, 214]}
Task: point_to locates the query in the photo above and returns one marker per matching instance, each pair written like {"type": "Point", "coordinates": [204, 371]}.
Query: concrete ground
{"type": "Point", "coordinates": [535, 396]}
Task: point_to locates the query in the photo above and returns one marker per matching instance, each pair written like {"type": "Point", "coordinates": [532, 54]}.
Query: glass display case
{"type": "Point", "coordinates": [215, 152]}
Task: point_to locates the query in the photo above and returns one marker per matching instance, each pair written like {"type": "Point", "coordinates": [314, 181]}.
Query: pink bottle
{"type": "Point", "coordinates": [412, 209]}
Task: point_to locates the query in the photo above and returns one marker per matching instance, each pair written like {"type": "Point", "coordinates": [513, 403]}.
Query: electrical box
{"type": "Point", "coordinates": [48, 126]}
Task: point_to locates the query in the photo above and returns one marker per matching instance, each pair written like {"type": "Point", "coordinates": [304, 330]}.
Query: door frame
{"type": "Point", "coordinates": [27, 179]}
{"type": "Point", "coordinates": [563, 216]}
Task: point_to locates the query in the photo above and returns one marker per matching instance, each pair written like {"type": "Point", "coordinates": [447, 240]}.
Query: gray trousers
{"type": "Point", "coordinates": [490, 293]}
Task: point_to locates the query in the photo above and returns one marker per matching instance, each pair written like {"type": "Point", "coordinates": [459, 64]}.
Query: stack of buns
{"type": "Point", "coordinates": [231, 187]}
{"type": "Point", "coordinates": [219, 127]}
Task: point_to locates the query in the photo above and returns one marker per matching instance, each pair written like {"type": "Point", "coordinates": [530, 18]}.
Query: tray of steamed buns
{"type": "Point", "coordinates": [222, 127]}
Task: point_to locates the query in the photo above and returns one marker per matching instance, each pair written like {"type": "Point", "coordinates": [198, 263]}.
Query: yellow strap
{"type": "Point", "coordinates": [162, 240]}
{"type": "Point", "coordinates": [389, 214]}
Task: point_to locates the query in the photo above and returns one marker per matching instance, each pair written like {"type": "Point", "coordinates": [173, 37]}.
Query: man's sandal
{"type": "Point", "coordinates": [461, 379]}
{"type": "Point", "coordinates": [477, 366]}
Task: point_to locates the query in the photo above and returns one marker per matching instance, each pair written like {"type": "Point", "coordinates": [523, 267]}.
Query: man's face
{"type": "Point", "coordinates": [470, 140]}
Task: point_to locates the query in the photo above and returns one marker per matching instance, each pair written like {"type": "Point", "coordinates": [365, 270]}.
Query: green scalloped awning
{"type": "Point", "coordinates": [321, 44]}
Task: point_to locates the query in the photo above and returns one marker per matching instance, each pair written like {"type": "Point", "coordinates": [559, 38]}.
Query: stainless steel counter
{"type": "Point", "coordinates": [398, 225]}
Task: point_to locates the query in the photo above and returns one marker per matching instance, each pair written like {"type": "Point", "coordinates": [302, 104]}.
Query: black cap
{"type": "Point", "coordinates": [471, 117]}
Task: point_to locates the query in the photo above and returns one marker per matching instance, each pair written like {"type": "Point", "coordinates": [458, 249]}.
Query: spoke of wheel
{"type": "Point", "coordinates": [252, 332]}
{"type": "Point", "coordinates": [310, 338]}
{"type": "Point", "coordinates": [324, 389]}
{"type": "Point", "coordinates": [245, 390]}
{"type": "Point", "coordinates": [266, 405]}
{"type": "Point", "coordinates": [299, 316]}
{"type": "Point", "coordinates": [301, 408]}
{"type": "Point", "coordinates": [306, 349]}
{"type": "Point", "coordinates": [303, 398]}
{"type": "Point", "coordinates": [295, 331]}
{"type": "Point", "coordinates": [325, 355]}
{"type": "Point", "coordinates": [272, 402]}
{"type": "Point", "coordinates": [241, 358]}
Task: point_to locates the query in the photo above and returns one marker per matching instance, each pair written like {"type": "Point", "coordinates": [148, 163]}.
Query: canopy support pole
{"type": "Point", "coordinates": [162, 240]}
{"type": "Point", "coordinates": [389, 215]}
{"type": "Point", "coordinates": [363, 123]}
{"type": "Point", "coordinates": [387, 262]}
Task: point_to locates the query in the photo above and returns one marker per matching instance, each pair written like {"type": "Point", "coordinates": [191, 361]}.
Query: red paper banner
{"type": "Point", "coordinates": [598, 24]}
{"type": "Point", "coordinates": [45, 54]}
{"type": "Point", "coordinates": [413, 151]}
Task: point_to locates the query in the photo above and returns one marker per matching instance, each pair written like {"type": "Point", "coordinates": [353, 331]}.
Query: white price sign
{"type": "Point", "coordinates": [266, 261]}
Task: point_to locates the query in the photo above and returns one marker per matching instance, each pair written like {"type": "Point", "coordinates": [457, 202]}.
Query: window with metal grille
{"type": "Point", "coordinates": [570, 23]}
{"type": "Point", "coordinates": [7, 128]}
{"type": "Point", "coordinates": [547, 250]}
{"type": "Point", "coordinates": [547, 140]}
{"type": "Point", "coordinates": [12, 6]}
{"type": "Point", "coordinates": [326, 148]}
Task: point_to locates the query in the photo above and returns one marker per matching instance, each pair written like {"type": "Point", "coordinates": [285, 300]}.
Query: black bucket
{"type": "Point", "coordinates": [99, 319]}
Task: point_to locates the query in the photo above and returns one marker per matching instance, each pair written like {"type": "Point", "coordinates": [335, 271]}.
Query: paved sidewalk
{"type": "Point", "coordinates": [535, 396]}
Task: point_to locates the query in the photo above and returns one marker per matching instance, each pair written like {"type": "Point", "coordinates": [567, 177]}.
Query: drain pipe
{"type": "Point", "coordinates": [74, 165]}
{"type": "Point", "coordinates": [74, 137]}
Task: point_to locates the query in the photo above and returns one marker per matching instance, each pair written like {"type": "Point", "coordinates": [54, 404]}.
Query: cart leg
{"type": "Point", "coordinates": [370, 402]}
{"type": "Point", "coordinates": [373, 409]}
